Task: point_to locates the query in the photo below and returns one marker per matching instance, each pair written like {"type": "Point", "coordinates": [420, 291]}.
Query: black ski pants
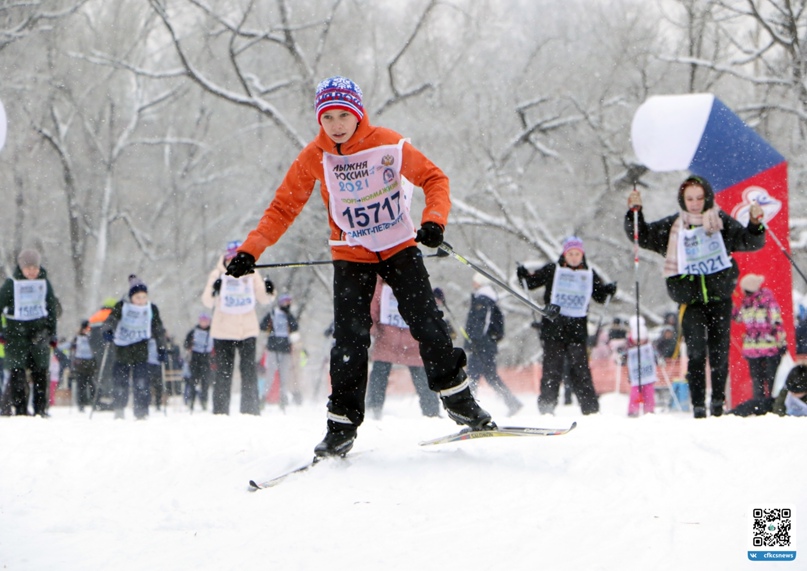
{"type": "Point", "coordinates": [707, 329]}
{"type": "Point", "coordinates": [15, 396]}
{"type": "Point", "coordinates": [353, 286]}
{"type": "Point", "coordinates": [379, 380]}
{"type": "Point", "coordinates": [224, 350]}
{"type": "Point", "coordinates": [555, 353]}
{"type": "Point", "coordinates": [763, 374]}
{"type": "Point", "coordinates": [483, 364]}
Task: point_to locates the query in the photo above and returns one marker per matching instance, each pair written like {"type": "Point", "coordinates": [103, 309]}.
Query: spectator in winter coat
{"type": "Point", "coordinates": [280, 323]}
{"type": "Point", "coordinates": [701, 276]}
{"type": "Point", "coordinates": [130, 325]}
{"type": "Point", "coordinates": [235, 329]}
{"type": "Point", "coordinates": [485, 328]}
{"type": "Point", "coordinates": [199, 344]}
{"type": "Point", "coordinates": [31, 310]}
{"type": "Point", "coordinates": [765, 340]}
{"type": "Point", "coordinates": [393, 344]}
{"type": "Point", "coordinates": [570, 284]}
{"type": "Point", "coordinates": [83, 366]}
{"type": "Point", "coordinates": [791, 400]}
{"type": "Point", "coordinates": [365, 176]}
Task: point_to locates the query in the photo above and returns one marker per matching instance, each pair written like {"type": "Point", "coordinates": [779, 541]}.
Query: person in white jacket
{"type": "Point", "coordinates": [235, 328]}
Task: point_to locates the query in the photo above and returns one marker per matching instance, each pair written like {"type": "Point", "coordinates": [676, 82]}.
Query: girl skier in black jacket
{"type": "Point", "coordinates": [701, 276]}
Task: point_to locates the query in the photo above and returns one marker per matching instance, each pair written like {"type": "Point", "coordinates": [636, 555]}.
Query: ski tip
{"type": "Point", "coordinates": [573, 426]}
{"type": "Point", "coordinates": [254, 486]}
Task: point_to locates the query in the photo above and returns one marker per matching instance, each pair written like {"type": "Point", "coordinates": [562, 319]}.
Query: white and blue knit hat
{"type": "Point", "coordinates": [339, 93]}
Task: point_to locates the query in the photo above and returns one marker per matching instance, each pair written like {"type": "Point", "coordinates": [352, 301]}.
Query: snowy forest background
{"type": "Point", "coordinates": [145, 134]}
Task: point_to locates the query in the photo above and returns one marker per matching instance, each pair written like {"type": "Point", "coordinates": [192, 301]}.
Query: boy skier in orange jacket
{"type": "Point", "coordinates": [366, 177]}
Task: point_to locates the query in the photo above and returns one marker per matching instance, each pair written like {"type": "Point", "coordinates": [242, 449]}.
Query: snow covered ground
{"type": "Point", "coordinates": [657, 492]}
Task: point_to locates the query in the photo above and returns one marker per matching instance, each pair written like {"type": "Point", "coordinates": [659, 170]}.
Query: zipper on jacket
{"type": "Point", "coordinates": [703, 289]}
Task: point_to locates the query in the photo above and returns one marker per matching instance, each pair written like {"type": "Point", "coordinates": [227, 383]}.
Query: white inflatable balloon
{"type": "Point", "coordinates": [667, 130]}
{"type": "Point", "coordinates": [3, 124]}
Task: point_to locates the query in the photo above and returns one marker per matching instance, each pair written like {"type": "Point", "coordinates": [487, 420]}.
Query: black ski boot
{"type": "Point", "coordinates": [717, 408]}
{"type": "Point", "coordinates": [462, 407]}
{"type": "Point", "coordinates": [338, 441]}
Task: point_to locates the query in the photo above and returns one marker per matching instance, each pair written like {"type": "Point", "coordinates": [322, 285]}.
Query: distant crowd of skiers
{"type": "Point", "coordinates": [366, 175]}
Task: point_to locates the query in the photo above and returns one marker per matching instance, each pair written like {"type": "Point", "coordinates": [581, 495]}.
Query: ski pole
{"type": "Point", "coordinates": [314, 263]}
{"type": "Point", "coordinates": [785, 252]}
{"type": "Point", "coordinates": [98, 377]}
{"type": "Point", "coordinates": [636, 277]}
{"type": "Point", "coordinates": [295, 264]}
{"type": "Point", "coordinates": [523, 283]}
{"type": "Point", "coordinates": [550, 311]}
{"type": "Point", "coordinates": [602, 315]}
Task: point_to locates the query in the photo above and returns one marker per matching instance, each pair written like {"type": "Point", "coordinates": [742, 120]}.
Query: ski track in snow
{"type": "Point", "coordinates": [657, 492]}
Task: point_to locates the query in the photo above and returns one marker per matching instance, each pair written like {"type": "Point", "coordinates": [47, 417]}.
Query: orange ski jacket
{"type": "Point", "coordinates": [298, 185]}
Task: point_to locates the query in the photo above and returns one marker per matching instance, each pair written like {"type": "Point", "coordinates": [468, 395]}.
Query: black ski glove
{"type": "Point", "coordinates": [522, 272]}
{"type": "Point", "coordinates": [430, 234]}
{"type": "Point", "coordinates": [241, 265]}
{"type": "Point", "coordinates": [609, 289]}
{"type": "Point", "coordinates": [217, 286]}
{"type": "Point", "coordinates": [270, 287]}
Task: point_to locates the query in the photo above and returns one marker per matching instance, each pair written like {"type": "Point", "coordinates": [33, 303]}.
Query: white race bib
{"type": "Point", "coordinates": [571, 291]}
{"type": "Point", "coordinates": [134, 325]}
{"type": "Point", "coordinates": [237, 294]}
{"type": "Point", "coordinates": [648, 358]}
{"type": "Point", "coordinates": [699, 253]}
{"type": "Point", "coordinates": [389, 309]}
{"type": "Point", "coordinates": [83, 348]}
{"type": "Point", "coordinates": [368, 198]}
{"type": "Point", "coordinates": [280, 323]}
{"type": "Point", "coordinates": [202, 341]}
{"type": "Point", "coordinates": [29, 299]}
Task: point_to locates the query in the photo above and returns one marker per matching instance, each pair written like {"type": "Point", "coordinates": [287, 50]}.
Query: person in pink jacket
{"type": "Point", "coordinates": [235, 328]}
{"type": "Point", "coordinates": [765, 340]}
{"type": "Point", "coordinates": [393, 344]}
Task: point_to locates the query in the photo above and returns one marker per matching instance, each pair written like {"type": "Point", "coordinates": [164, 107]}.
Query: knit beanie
{"type": "Point", "coordinates": [573, 243]}
{"type": "Point", "coordinates": [232, 248]}
{"type": "Point", "coordinates": [29, 259]}
{"type": "Point", "coordinates": [638, 333]}
{"type": "Point", "coordinates": [339, 93]}
{"type": "Point", "coordinates": [751, 282]}
{"type": "Point", "coordinates": [439, 294]}
{"type": "Point", "coordinates": [136, 285]}
{"type": "Point", "coordinates": [796, 381]}
{"type": "Point", "coordinates": [480, 279]}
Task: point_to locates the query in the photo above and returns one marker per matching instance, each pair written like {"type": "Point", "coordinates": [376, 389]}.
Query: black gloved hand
{"type": "Point", "coordinates": [430, 234]}
{"type": "Point", "coordinates": [109, 336]}
{"type": "Point", "coordinates": [270, 287]}
{"type": "Point", "coordinates": [241, 265]}
{"type": "Point", "coordinates": [522, 273]}
{"type": "Point", "coordinates": [609, 289]}
{"type": "Point", "coordinates": [54, 342]}
{"type": "Point", "coordinates": [216, 286]}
